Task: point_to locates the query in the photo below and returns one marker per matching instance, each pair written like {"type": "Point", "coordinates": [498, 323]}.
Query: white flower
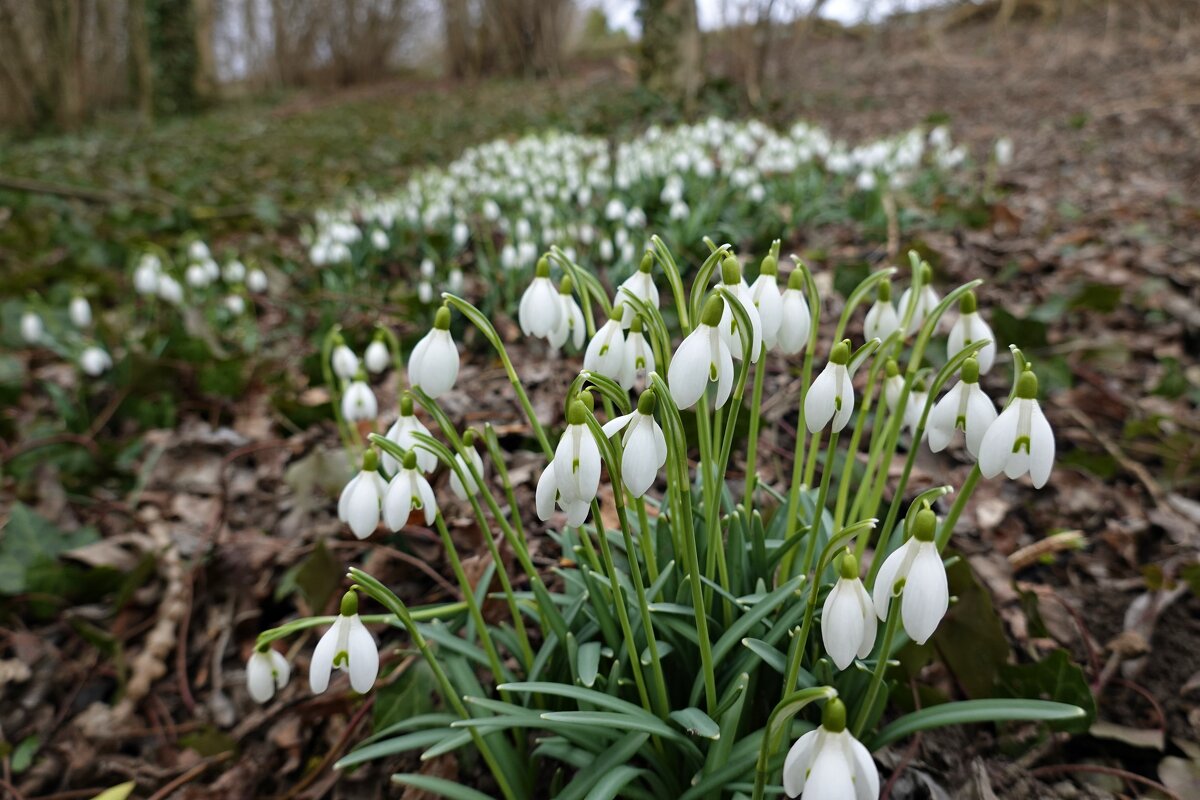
{"type": "Point", "coordinates": [831, 396]}
{"type": "Point", "coordinates": [170, 290]}
{"type": "Point", "coordinates": [145, 278]}
{"type": "Point", "coordinates": [848, 621]}
{"type": "Point", "coordinates": [377, 357]}
{"type": "Point", "coordinates": [966, 408]}
{"type": "Point", "coordinates": [427, 268]}
{"type": "Point", "coordinates": [256, 281]}
{"type": "Point", "coordinates": [345, 363]}
{"type": "Point", "coordinates": [1020, 440]}
{"type": "Point", "coordinates": [349, 646]}
{"type": "Point", "coordinates": [31, 327]}
{"type": "Point", "coordinates": [94, 361]}
{"type": "Point", "coordinates": [1004, 152]}
{"type": "Point", "coordinates": [236, 304]}
{"type": "Point", "coordinates": [605, 353]}
{"type": "Point", "coordinates": [614, 210]}
{"type": "Point", "coordinates": [425, 292]}
{"type": "Point", "coordinates": [926, 595]}
{"type": "Point", "coordinates": [768, 300]}
{"type": "Point", "coordinates": [637, 355]}
{"type": "Point", "coordinates": [460, 233]}
{"type": "Point", "coordinates": [968, 328]}
{"type": "Point", "coordinates": [267, 672]}
{"type": "Point", "coordinates": [927, 300]}
{"type": "Point", "coordinates": [401, 433]}
{"type": "Point", "coordinates": [731, 279]}
{"type": "Point", "coordinates": [454, 281]}
{"type": "Point", "coordinates": [379, 239]}
{"type": "Point", "coordinates": [644, 448]}
{"type": "Point", "coordinates": [196, 276]}
{"type": "Point", "coordinates": [795, 321]}
{"type": "Point", "coordinates": [702, 357]}
{"type": "Point", "coordinates": [234, 272]}
{"type": "Point", "coordinates": [359, 403]}
{"type": "Point", "coordinates": [408, 491]}
{"type": "Point", "coordinates": [828, 763]}
{"type": "Point", "coordinates": [433, 366]}
{"type": "Point", "coordinates": [572, 477]}
{"type": "Point", "coordinates": [540, 311]}
{"type": "Point", "coordinates": [461, 491]}
{"type": "Point", "coordinates": [359, 504]}
{"type": "Point", "coordinates": [80, 312]}
{"type": "Point", "coordinates": [198, 251]}
{"type": "Point", "coordinates": [882, 320]}
{"type": "Point", "coordinates": [641, 286]}
{"type": "Point", "coordinates": [570, 322]}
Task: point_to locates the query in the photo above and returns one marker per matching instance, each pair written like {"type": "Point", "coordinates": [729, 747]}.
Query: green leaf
{"type": "Point", "coordinates": [589, 663]}
{"type": "Point", "coordinates": [974, 711]}
{"type": "Point", "coordinates": [696, 723]}
{"type": "Point", "coordinates": [971, 638]}
{"type": "Point", "coordinates": [119, 792]}
{"type": "Point", "coordinates": [770, 656]}
{"type": "Point", "coordinates": [617, 755]}
{"type": "Point", "coordinates": [31, 542]}
{"type": "Point", "coordinates": [1055, 677]}
{"type": "Point", "coordinates": [417, 740]}
{"type": "Point", "coordinates": [611, 784]}
{"type": "Point", "coordinates": [319, 576]}
{"type": "Point", "coordinates": [1097, 297]}
{"type": "Point", "coordinates": [409, 696]}
{"type": "Point", "coordinates": [22, 757]}
{"type": "Point", "coordinates": [439, 786]}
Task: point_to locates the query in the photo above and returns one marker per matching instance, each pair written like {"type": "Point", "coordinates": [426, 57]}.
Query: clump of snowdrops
{"type": "Point", "coordinates": [708, 633]}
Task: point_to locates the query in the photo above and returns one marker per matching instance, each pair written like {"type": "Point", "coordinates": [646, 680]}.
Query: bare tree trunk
{"type": "Point", "coordinates": [64, 40]}
{"type": "Point", "coordinates": [203, 20]}
{"type": "Point", "coordinates": [456, 24]}
{"type": "Point", "coordinates": [671, 48]}
{"type": "Point", "coordinates": [139, 53]}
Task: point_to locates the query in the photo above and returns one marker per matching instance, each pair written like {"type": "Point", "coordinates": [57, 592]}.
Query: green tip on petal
{"type": "Point", "coordinates": [967, 303]}
{"type": "Point", "coordinates": [924, 525]}
{"type": "Point", "coordinates": [542, 270]}
{"type": "Point", "coordinates": [406, 405]}
{"type": "Point", "coordinates": [833, 716]}
{"type": "Point", "coordinates": [1027, 385]}
{"type": "Point", "coordinates": [441, 320]}
{"type": "Point", "coordinates": [970, 370]}
{"type": "Point", "coordinates": [410, 459]}
{"type": "Point", "coordinates": [577, 414]}
{"type": "Point", "coordinates": [893, 369]}
{"type": "Point", "coordinates": [770, 265]}
{"type": "Point", "coordinates": [647, 262]}
{"type": "Point", "coordinates": [884, 293]}
{"type": "Point", "coordinates": [713, 309]}
{"type": "Point", "coordinates": [468, 438]}
{"type": "Point", "coordinates": [349, 603]}
{"type": "Point", "coordinates": [848, 566]}
{"type": "Point", "coordinates": [370, 460]}
{"type": "Point", "coordinates": [731, 270]}
{"type": "Point", "coordinates": [647, 402]}
{"type": "Point", "coordinates": [796, 280]}
{"type": "Point", "coordinates": [566, 285]}
{"type": "Point", "coordinates": [926, 273]}
{"type": "Point", "coordinates": [840, 354]}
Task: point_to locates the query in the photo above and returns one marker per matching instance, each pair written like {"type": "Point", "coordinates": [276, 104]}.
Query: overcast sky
{"type": "Point", "coordinates": [621, 13]}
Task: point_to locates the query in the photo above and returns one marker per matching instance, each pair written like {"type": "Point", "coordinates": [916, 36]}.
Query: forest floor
{"type": "Point", "coordinates": [1092, 237]}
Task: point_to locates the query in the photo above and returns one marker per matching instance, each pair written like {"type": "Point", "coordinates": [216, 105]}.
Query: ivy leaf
{"type": "Point", "coordinates": [1055, 677]}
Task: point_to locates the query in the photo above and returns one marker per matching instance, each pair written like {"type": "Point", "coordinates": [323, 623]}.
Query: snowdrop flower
{"type": "Point", "coordinates": [360, 501]}
{"type": "Point", "coordinates": [234, 272]}
{"type": "Point", "coordinates": [926, 301]}
{"type": "Point", "coordinates": [831, 396]}
{"type": "Point", "coordinates": [572, 477]}
{"type": "Point", "coordinates": [379, 239]}
{"type": "Point", "coordinates": [256, 281]}
{"type": "Point", "coordinates": [1004, 152]}
{"type": "Point", "coordinates": [968, 328]}
{"type": "Point", "coordinates": [347, 645]}
{"type": "Point", "coordinates": [267, 672]}
{"type": "Point", "coordinates": [377, 357]}
{"type": "Point", "coordinates": [731, 279]}
{"type": "Point", "coordinates": [433, 366]}
{"type": "Point", "coordinates": [236, 304]}
{"type": "Point", "coordinates": [702, 357]}
{"type": "Point", "coordinates": [198, 251]}
{"type": "Point", "coordinates": [605, 353]}
{"type": "Point", "coordinates": [918, 567]}
{"type": "Point", "coordinates": [358, 401]}
{"type": "Point", "coordinates": [866, 181]}
{"type": "Point", "coordinates": [401, 433]}
{"type": "Point", "coordinates": [169, 290]}
{"type": "Point", "coordinates": [471, 487]}
{"type": "Point", "coordinates": [460, 233]}
{"type": "Point", "coordinates": [768, 300]}
{"type": "Point", "coordinates": [828, 763]}
{"type": "Point", "coordinates": [196, 276]}
{"type": "Point", "coordinates": [80, 312]}
{"type": "Point", "coordinates": [1020, 440]}
{"type": "Point", "coordinates": [570, 322]}
{"type": "Point", "coordinates": [427, 268]}
{"type": "Point", "coordinates": [425, 292]}
{"type": "Point", "coordinates": [637, 357]}
{"type": "Point", "coordinates": [31, 327]}
{"type": "Point", "coordinates": [964, 408]}
{"type": "Point", "coordinates": [408, 491]}
{"type": "Point", "coordinates": [345, 363]}
{"type": "Point", "coordinates": [454, 281]}
{"type": "Point", "coordinates": [915, 407]}
{"type": "Point", "coordinates": [644, 448]}
{"type": "Point", "coordinates": [882, 320]}
{"type": "Point", "coordinates": [641, 286]}
{"type": "Point", "coordinates": [893, 384]}
{"type": "Point", "coordinates": [145, 278]}
{"type": "Point", "coordinates": [95, 361]}
{"type": "Point", "coordinates": [614, 210]}
{"type": "Point", "coordinates": [795, 319]}
{"type": "Point", "coordinates": [848, 623]}
{"type": "Point", "coordinates": [540, 311]}
{"type": "Point", "coordinates": [606, 249]}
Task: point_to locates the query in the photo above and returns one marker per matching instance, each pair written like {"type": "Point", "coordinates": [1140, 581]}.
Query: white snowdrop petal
{"type": "Point", "coordinates": [617, 423]}
{"type": "Point", "coordinates": [997, 443]}
{"type": "Point", "coordinates": [870, 622]}
{"type": "Point", "coordinates": [321, 665]}
{"type": "Point", "coordinates": [397, 503]}
{"type": "Point", "coordinates": [830, 777]}
{"type": "Point", "coordinates": [638, 462]}
{"type": "Point", "coordinates": [799, 760]}
{"type": "Point", "coordinates": [841, 624]}
{"type": "Point", "coordinates": [724, 372]}
{"type": "Point", "coordinates": [363, 655]}
{"type": "Point", "coordinates": [260, 683]}
{"type": "Point", "coordinates": [1041, 448]}
{"type": "Point", "coordinates": [926, 595]}
{"type": "Point", "coordinates": [688, 374]}
{"type": "Point", "coordinates": [819, 402]}
{"type": "Point", "coordinates": [283, 670]}
{"type": "Point", "coordinates": [547, 492]}
{"type": "Point", "coordinates": [980, 416]}
{"type": "Point", "coordinates": [428, 500]}
{"type": "Point", "coordinates": [885, 579]}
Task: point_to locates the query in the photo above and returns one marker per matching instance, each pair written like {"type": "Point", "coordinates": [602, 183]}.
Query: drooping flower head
{"type": "Point", "coordinates": [768, 300]}
{"type": "Point", "coordinates": [345, 363]}
{"type": "Point", "coordinates": [408, 491]}
{"type": "Point", "coordinates": [970, 327]}
{"type": "Point", "coordinates": [570, 323]}
{"type": "Point", "coordinates": [644, 447]}
{"type": "Point", "coordinates": [828, 763]}
{"type": "Point", "coordinates": [795, 321]}
{"type": "Point", "coordinates": [95, 361]}
{"type": "Point", "coordinates": [964, 408]}
{"type": "Point", "coordinates": [358, 401]}
{"type": "Point", "coordinates": [605, 353]}
{"type": "Point", "coordinates": [80, 312]}
{"type": "Point", "coordinates": [401, 433]}
{"type": "Point", "coordinates": [882, 320]}
{"type": "Point", "coordinates": [702, 357]}
{"type": "Point", "coordinates": [831, 396]}
{"type": "Point", "coordinates": [471, 486]}
{"type": "Point", "coordinates": [639, 285]}
{"type": "Point", "coordinates": [31, 327]}
{"type": "Point", "coordinates": [377, 357]}
{"type": "Point", "coordinates": [637, 356]}
{"type": "Point", "coordinates": [731, 279]}
{"type": "Point", "coordinates": [572, 477]}
{"type": "Point", "coordinates": [359, 504]}
{"type": "Point", "coordinates": [433, 366]}
{"type": "Point", "coordinates": [848, 623]}
{"type": "Point", "coordinates": [267, 672]}
{"type": "Point", "coordinates": [540, 311]}
{"type": "Point", "coordinates": [1020, 440]}
{"type": "Point", "coordinates": [917, 567]}
{"type": "Point", "coordinates": [347, 645]}
{"type": "Point", "coordinates": [926, 301]}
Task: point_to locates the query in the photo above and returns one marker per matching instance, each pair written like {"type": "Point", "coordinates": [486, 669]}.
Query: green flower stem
{"type": "Point", "coordinates": [497, 457]}
{"type": "Point", "coordinates": [878, 426]}
{"type": "Point", "coordinates": [752, 440]}
{"type": "Point", "coordinates": [389, 600]}
{"type": "Point", "coordinates": [881, 665]}
{"type": "Point", "coordinates": [679, 495]}
{"type": "Point", "coordinates": [589, 551]}
{"type": "Point", "coordinates": [663, 255]}
{"type": "Point", "coordinates": [394, 346]}
{"type": "Point", "coordinates": [843, 494]}
{"type": "Point", "coordinates": [489, 331]}
{"type": "Point", "coordinates": [793, 505]}
{"type": "Point", "coordinates": [646, 541]}
{"type": "Point", "coordinates": [810, 547]}
{"type": "Point", "coordinates": [777, 726]}
{"type": "Point", "coordinates": [960, 502]}
{"type": "Point", "coordinates": [708, 484]}
{"type": "Point", "coordinates": [349, 436]}
{"type": "Point", "coordinates": [419, 614]}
